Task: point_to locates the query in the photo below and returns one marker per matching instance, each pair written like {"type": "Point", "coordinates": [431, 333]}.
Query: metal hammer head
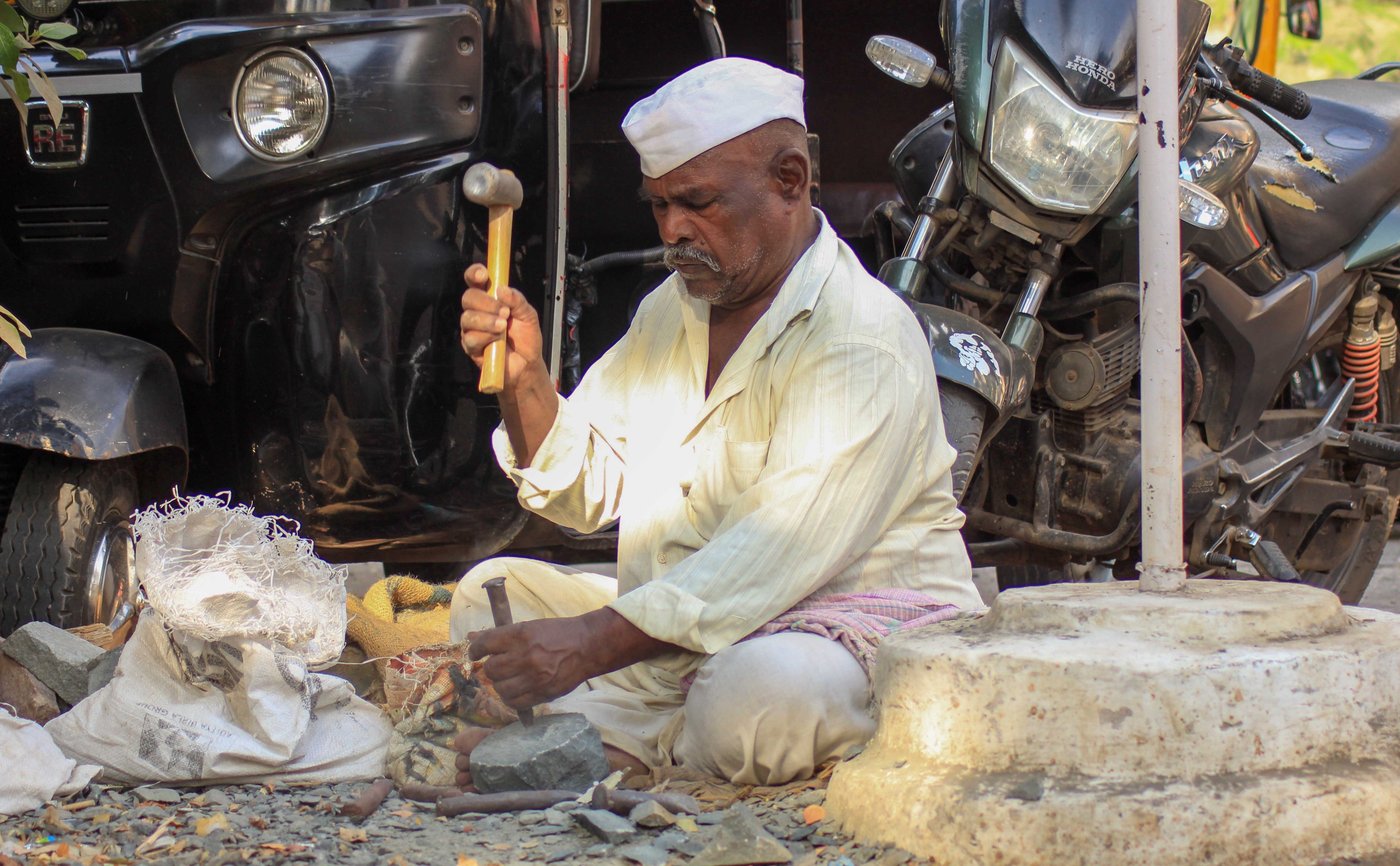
{"type": "Point", "coordinates": [484, 184]}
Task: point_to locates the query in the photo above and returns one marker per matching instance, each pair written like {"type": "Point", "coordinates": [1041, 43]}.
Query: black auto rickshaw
{"type": "Point", "coordinates": [242, 265]}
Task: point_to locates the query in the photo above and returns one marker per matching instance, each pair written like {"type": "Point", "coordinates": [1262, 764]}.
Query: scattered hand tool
{"type": "Point", "coordinates": [499, 190]}
{"type": "Point", "coordinates": [500, 613]}
{"type": "Point", "coordinates": [369, 800]}
{"type": "Point", "coordinates": [420, 793]}
{"type": "Point", "coordinates": [619, 802]}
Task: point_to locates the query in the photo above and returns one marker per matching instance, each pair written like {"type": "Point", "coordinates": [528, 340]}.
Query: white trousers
{"type": "Point", "coordinates": [763, 712]}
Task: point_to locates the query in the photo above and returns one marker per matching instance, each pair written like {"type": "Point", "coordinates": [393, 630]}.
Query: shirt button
{"type": "Point", "coordinates": [661, 558]}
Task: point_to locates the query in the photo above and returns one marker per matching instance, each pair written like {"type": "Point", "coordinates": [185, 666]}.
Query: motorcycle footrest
{"type": "Point", "coordinates": [1375, 443]}
{"type": "Point", "coordinates": [1271, 562]}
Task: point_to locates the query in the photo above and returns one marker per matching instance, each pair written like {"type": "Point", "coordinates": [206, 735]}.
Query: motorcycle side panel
{"type": "Point", "coordinates": [1266, 335]}
{"type": "Point", "coordinates": [1379, 243]}
{"type": "Point", "coordinates": [91, 395]}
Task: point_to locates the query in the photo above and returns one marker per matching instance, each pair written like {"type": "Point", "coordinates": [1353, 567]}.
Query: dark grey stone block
{"type": "Point", "coordinates": [559, 751]}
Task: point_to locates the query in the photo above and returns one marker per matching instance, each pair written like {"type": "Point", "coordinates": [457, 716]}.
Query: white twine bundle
{"type": "Point", "coordinates": [215, 571]}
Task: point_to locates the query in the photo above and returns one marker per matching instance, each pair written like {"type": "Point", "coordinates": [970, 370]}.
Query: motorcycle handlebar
{"type": "Point", "coordinates": [1260, 85]}
{"type": "Point", "coordinates": [1274, 93]}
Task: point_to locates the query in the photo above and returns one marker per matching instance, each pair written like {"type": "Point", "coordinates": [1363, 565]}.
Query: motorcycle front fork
{"type": "Point", "coordinates": [909, 272]}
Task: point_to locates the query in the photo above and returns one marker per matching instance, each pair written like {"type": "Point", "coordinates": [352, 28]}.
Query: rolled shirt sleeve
{"type": "Point", "coordinates": [575, 478]}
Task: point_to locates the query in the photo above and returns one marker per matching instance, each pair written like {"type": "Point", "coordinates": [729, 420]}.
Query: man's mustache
{"type": "Point", "coordinates": [680, 254]}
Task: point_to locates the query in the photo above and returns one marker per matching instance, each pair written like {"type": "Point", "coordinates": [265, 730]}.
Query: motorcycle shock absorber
{"type": "Point", "coordinates": [908, 273]}
{"type": "Point", "coordinates": [1389, 335]}
{"type": "Point", "coordinates": [1361, 360]}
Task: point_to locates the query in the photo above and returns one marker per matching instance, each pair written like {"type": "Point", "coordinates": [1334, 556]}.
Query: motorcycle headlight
{"type": "Point", "coordinates": [281, 104]}
{"type": "Point", "coordinates": [1058, 155]}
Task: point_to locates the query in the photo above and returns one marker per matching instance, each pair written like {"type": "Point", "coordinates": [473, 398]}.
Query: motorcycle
{"type": "Point", "coordinates": [1019, 230]}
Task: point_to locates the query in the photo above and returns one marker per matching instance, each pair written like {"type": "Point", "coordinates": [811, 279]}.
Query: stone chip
{"type": "Point", "coordinates": [613, 829]}
{"type": "Point", "coordinates": [741, 840]}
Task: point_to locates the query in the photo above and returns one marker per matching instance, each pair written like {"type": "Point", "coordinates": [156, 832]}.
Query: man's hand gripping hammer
{"type": "Point", "coordinates": [499, 190]}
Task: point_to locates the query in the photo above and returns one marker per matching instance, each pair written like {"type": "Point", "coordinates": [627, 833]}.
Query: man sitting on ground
{"type": "Point", "coordinates": [768, 435]}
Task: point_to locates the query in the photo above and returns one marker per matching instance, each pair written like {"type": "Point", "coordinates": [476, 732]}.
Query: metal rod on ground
{"type": "Point", "coordinates": [1159, 256]}
{"type": "Point", "coordinates": [369, 800]}
{"type": "Point", "coordinates": [620, 802]}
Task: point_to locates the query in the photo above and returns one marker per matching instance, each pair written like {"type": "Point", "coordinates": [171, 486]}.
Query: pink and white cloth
{"type": "Point", "coordinates": [860, 620]}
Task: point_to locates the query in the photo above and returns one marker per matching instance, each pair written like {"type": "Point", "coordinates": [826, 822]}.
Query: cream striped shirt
{"type": "Point", "coordinates": [817, 464]}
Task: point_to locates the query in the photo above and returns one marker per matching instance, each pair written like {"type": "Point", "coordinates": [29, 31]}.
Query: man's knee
{"type": "Point", "coordinates": [537, 590]}
{"type": "Point", "coordinates": [769, 710]}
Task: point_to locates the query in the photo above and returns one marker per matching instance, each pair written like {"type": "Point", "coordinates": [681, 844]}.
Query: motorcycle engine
{"type": "Point", "coordinates": [1087, 382]}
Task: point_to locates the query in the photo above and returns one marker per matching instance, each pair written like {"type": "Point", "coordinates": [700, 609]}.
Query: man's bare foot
{"type": "Point", "coordinates": [463, 745]}
{"type": "Point", "coordinates": [619, 760]}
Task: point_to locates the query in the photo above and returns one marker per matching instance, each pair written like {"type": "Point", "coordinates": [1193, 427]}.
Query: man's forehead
{"type": "Point", "coordinates": [699, 176]}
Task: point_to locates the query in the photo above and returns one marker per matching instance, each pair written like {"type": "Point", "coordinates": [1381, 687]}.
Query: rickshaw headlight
{"type": "Point", "coordinates": [45, 10]}
{"type": "Point", "coordinates": [281, 104]}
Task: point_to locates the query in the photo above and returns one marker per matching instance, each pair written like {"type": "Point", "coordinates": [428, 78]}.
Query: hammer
{"type": "Point", "coordinates": [499, 190]}
{"type": "Point", "coordinates": [500, 607]}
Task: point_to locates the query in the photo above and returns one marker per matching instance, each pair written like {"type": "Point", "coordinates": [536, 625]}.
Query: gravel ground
{"type": "Point", "coordinates": [1384, 591]}
{"type": "Point", "coordinates": [279, 824]}
{"type": "Point", "coordinates": [287, 824]}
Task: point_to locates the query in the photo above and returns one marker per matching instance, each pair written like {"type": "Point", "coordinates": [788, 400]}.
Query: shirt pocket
{"type": "Point", "coordinates": [725, 469]}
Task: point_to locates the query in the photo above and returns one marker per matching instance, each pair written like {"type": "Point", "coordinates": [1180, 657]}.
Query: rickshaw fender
{"type": "Point", "coordinates": [92, 395]}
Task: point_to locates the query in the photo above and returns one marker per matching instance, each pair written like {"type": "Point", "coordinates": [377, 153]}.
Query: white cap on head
{"type": "Point", "coordinates": [707, 106]}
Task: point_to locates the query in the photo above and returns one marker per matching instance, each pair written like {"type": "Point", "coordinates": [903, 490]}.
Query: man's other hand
{"type": "Point", "coordinates": [542, 659]}
{"type": "Point", "coordinates": [536, 661]}
{"type": "Point", "coordinates": [485, 319]}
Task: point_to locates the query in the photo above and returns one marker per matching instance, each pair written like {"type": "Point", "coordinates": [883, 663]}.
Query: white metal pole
{"type": "Point", "coordinates": [1159, 256]}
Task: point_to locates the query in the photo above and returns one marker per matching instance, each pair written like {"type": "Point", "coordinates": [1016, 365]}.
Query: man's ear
{"type": "Point", "coordinates": [792, 171]}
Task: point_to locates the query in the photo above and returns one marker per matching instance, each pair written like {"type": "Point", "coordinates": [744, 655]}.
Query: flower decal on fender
{"type": "Point", "coordinates": [975, 354]}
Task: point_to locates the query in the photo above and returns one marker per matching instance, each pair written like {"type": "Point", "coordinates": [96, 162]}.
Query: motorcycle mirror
{"type": "Point", "coordinates": [1199, 207]}
{"type": "Point", "coordinates": [1305, 18]}
{"type": "Point", "coordinates": [901, 60]}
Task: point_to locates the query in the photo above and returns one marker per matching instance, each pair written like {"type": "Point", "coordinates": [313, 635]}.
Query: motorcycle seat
{"type": "Point", "coordinates": [1313, 209]}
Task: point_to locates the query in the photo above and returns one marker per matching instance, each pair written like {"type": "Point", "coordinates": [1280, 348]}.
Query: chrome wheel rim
{"type": "Point", "coordinates": [111, 585]}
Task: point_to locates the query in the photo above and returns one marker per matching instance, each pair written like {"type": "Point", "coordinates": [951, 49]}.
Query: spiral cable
{"type": "Point", "coordinates": [1362, 362]}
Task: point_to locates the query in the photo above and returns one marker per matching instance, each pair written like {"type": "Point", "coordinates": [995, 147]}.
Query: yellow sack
{"type": "Point", "coordinates": [399, 614]}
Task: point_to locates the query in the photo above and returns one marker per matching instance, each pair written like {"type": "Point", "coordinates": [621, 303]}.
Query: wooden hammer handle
{"type": "Point", "coordinates": [493, 363]}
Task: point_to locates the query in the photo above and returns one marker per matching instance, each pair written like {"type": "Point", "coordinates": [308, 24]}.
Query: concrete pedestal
{"type": "Point", "coordinates": [1233, 723]}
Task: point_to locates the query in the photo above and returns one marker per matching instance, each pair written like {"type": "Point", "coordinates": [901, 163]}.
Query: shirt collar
{"type": "Point", "coordinates": [796, 298]}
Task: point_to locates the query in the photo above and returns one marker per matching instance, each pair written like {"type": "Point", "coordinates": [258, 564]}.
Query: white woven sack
{"type": "Point", "coordinates": [35, 771]}
{"type": "Point", "coordinates": [181, 709]}
{"type": "Point", "coordinates": [215, 571]}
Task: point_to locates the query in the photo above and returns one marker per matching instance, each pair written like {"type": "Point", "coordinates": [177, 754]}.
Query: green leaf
{"type": "Point", "coordinates": [6, 314]}
{"type": "Point", "coordinates": [75, 53]}
{"type": "Point", "coordinates": [9, 51]}
{"type": "Point", "coordinates": [23, 41]}
{"type": "Point", "coordinates": [9, 335]}
{"type": "Point", "coordinates": [41, 84]}
{"type": "Point", "coordinates": [56, 30]}
{"type": "Point", "coordinates": [21, 85]}
{"type": "Point", "coordinates": [9, 18]}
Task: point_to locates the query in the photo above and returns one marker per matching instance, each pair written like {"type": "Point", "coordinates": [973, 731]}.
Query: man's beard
{"type": "Point", "coordinates": [684, 254]}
